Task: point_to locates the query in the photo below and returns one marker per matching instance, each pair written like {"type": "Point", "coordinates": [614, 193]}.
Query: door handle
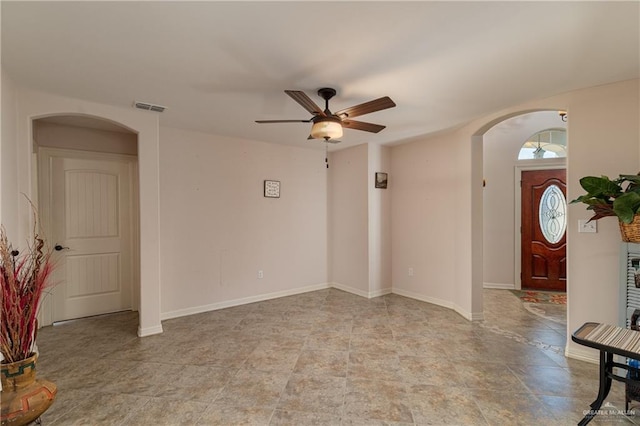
{"type": "Point", "coordinates": [58, 247]}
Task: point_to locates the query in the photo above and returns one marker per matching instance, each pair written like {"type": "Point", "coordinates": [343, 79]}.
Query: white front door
{"type": "Point", "coordinates": [91, 221]}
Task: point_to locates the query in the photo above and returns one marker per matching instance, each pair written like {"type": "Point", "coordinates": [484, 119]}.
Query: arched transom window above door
{"type": "Point", "coordinates": [550, 143]}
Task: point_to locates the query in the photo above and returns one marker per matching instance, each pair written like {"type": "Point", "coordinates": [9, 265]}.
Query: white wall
{"type": "Point", "coordinates": [349, 222]}
{"type": "Point", "coordinates": [218, 230]}
{"type": "Point", "coordinates": [9, 198]}
{"type": "Point", "coordinates": [501, 146]}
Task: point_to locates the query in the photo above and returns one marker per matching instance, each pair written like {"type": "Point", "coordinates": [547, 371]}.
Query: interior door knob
{"type": "Point", "coordinates": [58, 247]}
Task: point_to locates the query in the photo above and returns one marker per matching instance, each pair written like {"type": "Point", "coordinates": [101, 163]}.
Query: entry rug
{"type": "Point", "coordinates": [554, 297]}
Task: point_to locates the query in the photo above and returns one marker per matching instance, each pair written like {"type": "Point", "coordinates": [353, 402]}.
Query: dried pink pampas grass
{"type": "Point", "coordinates": [24, 278]}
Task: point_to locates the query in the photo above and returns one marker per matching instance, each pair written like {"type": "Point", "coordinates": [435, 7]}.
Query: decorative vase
{"type": "Point", "coordinates": [630, 232]}
{"type": "Point", "coordinates": [24, 398]}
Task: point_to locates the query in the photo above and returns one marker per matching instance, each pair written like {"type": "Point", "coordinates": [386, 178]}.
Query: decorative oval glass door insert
{"type": "Point", "coordinates": [553, 214]}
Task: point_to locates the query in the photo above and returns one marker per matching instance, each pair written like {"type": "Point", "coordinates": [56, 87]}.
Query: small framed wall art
{"type": "Point", "coordinates": [381, 180]}
{"type": "Point", "coordinates": [272, 188]}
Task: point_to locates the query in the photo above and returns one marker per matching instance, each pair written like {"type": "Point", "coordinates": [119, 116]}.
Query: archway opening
{"type": "Point", "coordinates": [87, 191]}
{"type": "Point", "coordinates": [510, 146]}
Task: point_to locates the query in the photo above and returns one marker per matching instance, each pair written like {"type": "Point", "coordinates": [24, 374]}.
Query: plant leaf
{"type": "Point", "coordinates": [600, 187]}
{"type": "Point", "coordinates": [626, 206]}
{"type": "Point", "coordinates": [633, 183]}
{"type": "Point", "coordinates": [631, 178]}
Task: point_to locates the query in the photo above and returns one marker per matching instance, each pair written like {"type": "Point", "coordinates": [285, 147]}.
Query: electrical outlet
{"type": "Point", "coordinates": [410, 272]}
{"type": "Point", "coordinates": [260, 274]}
{"type": "Point", "coordinates": [583, 226]}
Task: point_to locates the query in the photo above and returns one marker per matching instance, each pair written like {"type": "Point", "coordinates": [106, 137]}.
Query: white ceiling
{"type": "Point", "coordinates": [218, 66]}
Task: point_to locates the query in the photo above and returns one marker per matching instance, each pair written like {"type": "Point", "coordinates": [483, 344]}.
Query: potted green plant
{"type": "Point", "coordinates": [619, 197]}
{"type": "Point", "coordinates": [24, 278]}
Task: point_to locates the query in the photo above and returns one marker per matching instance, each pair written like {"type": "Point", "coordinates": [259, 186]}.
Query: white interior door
{"type": "Point", "coordinates": [91, 227]}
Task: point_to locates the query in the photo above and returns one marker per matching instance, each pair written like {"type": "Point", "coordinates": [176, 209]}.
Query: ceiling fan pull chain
{"type": "Point", "coordinates": [326, 153]}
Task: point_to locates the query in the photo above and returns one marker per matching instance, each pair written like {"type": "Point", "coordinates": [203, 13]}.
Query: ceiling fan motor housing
{"type": "Point", "coordinates": [326, 93]}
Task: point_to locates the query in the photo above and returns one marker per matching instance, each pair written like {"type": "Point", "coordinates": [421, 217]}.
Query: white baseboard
{"type": "Point", "coordinates": [582, 354]}
{"type": "Point", "coordinates": [471, 316]}
{"type": "Point", "coordinates": [361, 293]}
{"type": "Point", "coordinates": [149, 331]}
{"type": "Point", "coordinates": [350, 289]}
{"type": "Point", "coordinates": [499, 286]}
{"type": "Point", "coordinates": [477, 316]}
{"type": "Point", "coordinates": [380, 292]}
{"type": "Point", "coordinates": [243, 301]}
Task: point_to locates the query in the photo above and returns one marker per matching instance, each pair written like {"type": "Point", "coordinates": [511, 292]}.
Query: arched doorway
{"type": "Point", "coordinates": [87, 193]}
{"type": "Point", "coordinates": [501, 212]}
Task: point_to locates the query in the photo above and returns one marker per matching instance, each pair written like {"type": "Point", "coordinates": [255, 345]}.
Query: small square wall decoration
{"type": "Point", "coordinates": [272, 188]}
{"type": "Point", "coordinates": [381, 180]}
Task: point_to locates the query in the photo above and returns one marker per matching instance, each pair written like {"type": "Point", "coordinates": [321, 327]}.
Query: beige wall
{"type": "Point", "coordinates": [425, 193]}
{"type": "Point", "coordinates": [501, 146]}
{"type": "Point", "coordinates": [379, 160]}
{"type": "Point", "coordinates": [218, 230]}
{"type": "Point", "coordinates": [437, 205]}
{"type": "Point", "coordinates": [604, 139]}
{"type": "Point", "coordinates": [70, 137]}
{"type": "Point", "coordinates": [32, 105]}
{"type": "Point", "coordinates": [9, 198]}
{"type": "Point", "coordinates": [349, 222]}
{"type": "Point", "coordinates": [360, 221]}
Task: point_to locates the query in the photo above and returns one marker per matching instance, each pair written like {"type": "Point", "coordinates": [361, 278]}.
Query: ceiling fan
{"type": "Point", "coordinates": [328, 125]}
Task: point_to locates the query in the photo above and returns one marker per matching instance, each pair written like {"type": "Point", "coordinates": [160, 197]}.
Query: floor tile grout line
{"type": "Point", "coordinates": [371, 311]}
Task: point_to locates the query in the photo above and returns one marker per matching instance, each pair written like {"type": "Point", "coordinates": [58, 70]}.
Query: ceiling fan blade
{"type": "Point", "coordinates": [366, 108]}
{"type": "Point", "coordinates": [361, 125]}
{"type": "Point", "coordinates": [305, 101]}
{"type": "Point", "coordinates": [283, 121]}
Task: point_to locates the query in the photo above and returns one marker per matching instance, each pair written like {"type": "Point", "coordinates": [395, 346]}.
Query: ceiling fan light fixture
{"type": "Point", "coordinates": [326, 129]}
{"type": "Point", "coordinates": [563, 115]}
{"type": "Point", "coordinates": [328, 125]}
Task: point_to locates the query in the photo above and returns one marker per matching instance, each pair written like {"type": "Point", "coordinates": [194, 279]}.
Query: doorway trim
{"type": "Point", "coordinates": [43, 159]}
{"type": "Point", "coordinates": [476, 215]}
{"type": "Point", "coordinates": [34, 105]}
{"type": "Point", "coordinates": [525, 165]}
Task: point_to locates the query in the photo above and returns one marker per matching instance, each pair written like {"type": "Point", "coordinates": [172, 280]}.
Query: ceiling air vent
{"type": "Point", "coordinates": [149, 107]}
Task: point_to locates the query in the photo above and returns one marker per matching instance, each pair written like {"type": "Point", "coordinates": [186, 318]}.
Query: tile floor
{"type": "Point", "coordinates": [321, 358]}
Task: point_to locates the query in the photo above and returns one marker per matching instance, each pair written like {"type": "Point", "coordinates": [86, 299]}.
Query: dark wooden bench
{"type": "Point", "coordinates": [610, 340]}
